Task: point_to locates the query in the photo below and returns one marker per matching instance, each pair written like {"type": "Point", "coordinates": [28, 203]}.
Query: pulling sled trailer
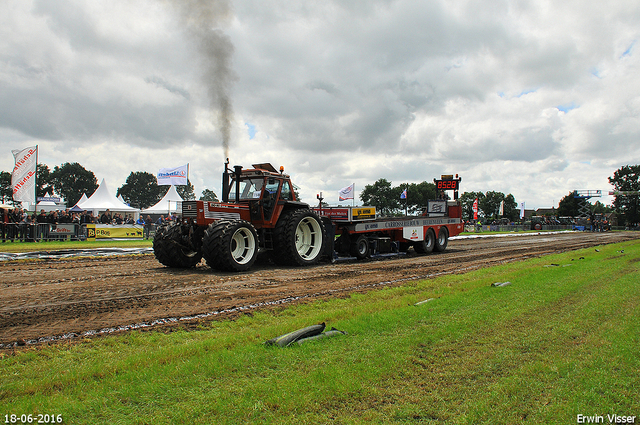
{"type": "Point", "coordinates": [360, 234]}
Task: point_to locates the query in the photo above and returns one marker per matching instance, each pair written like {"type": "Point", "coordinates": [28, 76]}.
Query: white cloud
{"type": "Point", "coordinates": [530, 98]}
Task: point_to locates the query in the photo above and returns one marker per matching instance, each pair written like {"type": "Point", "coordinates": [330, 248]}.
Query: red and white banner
{"type": "Point", "coordinates": [173, 176]}
{"type": "Point", "coordinates": [475, 209]}
{"type": "Point", "coordinates": [347, 192]}
{"type": "Point", "coordinates": [23, 178]}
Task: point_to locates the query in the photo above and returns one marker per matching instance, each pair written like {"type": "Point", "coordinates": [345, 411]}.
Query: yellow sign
{"type": "Point", "coordinates": [122, 231]}
{"type": "Point", "coordinates": [91, 232]}
{"type": "Point", "coordinates": [364, 213]}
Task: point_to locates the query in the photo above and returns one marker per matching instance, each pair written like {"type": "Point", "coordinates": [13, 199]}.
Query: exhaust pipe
{"type": "Point", "coordinates": [225, 182]}
{"type": "Point", "coordinates": [238, 172]}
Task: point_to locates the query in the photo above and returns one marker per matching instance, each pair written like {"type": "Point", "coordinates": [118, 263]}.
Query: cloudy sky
{"type": "Point", "coordinates": [533, 98]}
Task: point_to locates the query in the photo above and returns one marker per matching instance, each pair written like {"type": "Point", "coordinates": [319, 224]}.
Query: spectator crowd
{"type": "Point", "coordinates": [17, 223]}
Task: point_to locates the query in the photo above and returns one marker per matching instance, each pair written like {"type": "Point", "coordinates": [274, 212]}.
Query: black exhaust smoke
{"type": "Point", "coordinates": [200, 18]}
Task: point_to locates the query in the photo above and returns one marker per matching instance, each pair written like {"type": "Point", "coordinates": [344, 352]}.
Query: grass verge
{"type": "Point", "coordinates": [559, 341]}
{"type": "Point", "coordinates": [14, 247]}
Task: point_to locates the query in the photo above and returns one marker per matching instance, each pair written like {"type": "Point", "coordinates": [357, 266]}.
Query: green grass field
{"type": "Point", "coordinates": [560, 341]}
{"type": "Point", "coordinates": [14, 247]}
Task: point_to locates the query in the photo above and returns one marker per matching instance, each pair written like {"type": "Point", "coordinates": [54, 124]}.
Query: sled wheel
{"type": "Point", "coordinates": [443, 240]}
{"type": "Point", "coordinates": [426, 245]}
{"type": "Point", "coordinates": [360, 248]}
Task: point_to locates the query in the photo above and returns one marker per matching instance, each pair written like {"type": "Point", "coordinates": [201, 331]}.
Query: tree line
{"type": "Point", "coordinates": [386, 199]}
{"type": "Point", "coordinates": [141, 190]}
{"type": "Point", "coordinates": [388, 202]}
{"type": "Point", "coordinates": [72, 180]}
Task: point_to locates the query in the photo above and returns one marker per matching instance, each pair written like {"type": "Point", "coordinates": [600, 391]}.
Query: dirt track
{"type": "Point", "coordinates": [53, 300]}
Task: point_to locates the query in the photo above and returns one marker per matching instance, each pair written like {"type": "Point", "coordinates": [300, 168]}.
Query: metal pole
{"type": "Point", "coordinates": [35, 185]}
{"type": "Point", "coordinates": [353, 199]}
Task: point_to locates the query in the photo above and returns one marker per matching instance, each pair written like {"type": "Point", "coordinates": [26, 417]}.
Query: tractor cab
{"type": "Point", "coordinates": [263, 188]}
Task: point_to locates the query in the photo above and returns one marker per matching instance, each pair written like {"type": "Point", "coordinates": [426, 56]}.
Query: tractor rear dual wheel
{"type": "Point", "coordinates": [230, 245]}
{"type": "Point", "coordinates": [299, 238]}
{"type": "Point", "coordinates": [171, 248]}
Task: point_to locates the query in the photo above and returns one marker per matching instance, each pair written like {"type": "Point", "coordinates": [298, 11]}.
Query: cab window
{"type": "Point", "coordinates": [249, 189]}
{"type": "Point", "coordinates": [286, 192]}
{"type": "Point", "coordinates": [272, 187]}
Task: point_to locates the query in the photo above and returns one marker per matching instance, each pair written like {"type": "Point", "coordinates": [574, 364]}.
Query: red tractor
{"type": "Point", "coordinates": [259, 213]}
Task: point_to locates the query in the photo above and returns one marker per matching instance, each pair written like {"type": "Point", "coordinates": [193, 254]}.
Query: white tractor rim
{"type": "Point", "coordinates": [308, 238]}
{"type": "Point", "coordinates": [243, 246]}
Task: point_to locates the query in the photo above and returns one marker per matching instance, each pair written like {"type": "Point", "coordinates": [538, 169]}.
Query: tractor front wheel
{"type": "Point", "coordinates": [171, 247]}
{"type": "Point", "coordinates": [230, 245]}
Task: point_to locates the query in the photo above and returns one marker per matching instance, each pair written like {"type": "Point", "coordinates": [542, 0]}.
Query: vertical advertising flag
{"type": "Point", "coordinates": [23, 178]}
{"type": "Point", "coordinates": [521, 211]}
{"type": "Point", "coordinates": [501, 208]}
{"type": "Point", "coordinates": [346, 192]}
{"type": "Point", "coordinates": [475, 209]}
{"type": "Point", "coordinates": [177, 176]}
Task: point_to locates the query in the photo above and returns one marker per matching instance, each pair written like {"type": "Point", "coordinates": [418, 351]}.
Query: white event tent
{"type": "Point", "coordinates": [83, 198]}
{"type": "Point", "coordinates": [49, 206]}
{"type": "Point", "coordinates": [103, 200]}
{"type": "Point", "coordinates": [168, 204]}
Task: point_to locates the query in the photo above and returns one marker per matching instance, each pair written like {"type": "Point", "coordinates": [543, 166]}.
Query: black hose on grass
{"type": "Point", "coordinates": [288, 339]}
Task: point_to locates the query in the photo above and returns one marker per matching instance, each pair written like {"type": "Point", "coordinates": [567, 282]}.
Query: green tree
{"type": "Point", "coordinates": [627, 179]}
{"type": "Point", "coordinates": [141, 190]}
{"type": "Point", "coordinates": [569, 206]}
{"type": "Point", "coordinates": [467, 199]}
{"type": "Point", "coordinates": [44, 182]}
{"type": "Point", "coordinates": [186, 191]}
{"type": "Point", "coordinates": [600, 208]}
{"type": "Point", "coordinates": [209, 195]}
{"type": "Point", "coordinates": [71, 180]}
{"type": "Point", "coordinates": [381, 195]}
{"type": "Point", "coordinates": [418, 194]}
{"type": "Point", "coordinates": [490, 204]}
{"type": "Point", "coordinates": [6, 191]}
{"type": "Point", "coordinates": [511, 210]}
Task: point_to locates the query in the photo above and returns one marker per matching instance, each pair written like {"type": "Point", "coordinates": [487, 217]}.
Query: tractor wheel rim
{"type": "Point", "coordinates": [308, 238]}
{"type": "Point", "coordinates": [243, 246]}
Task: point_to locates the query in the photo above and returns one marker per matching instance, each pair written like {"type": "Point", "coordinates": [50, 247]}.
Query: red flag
{"type": "Point", "coordinates": [475, 209]}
